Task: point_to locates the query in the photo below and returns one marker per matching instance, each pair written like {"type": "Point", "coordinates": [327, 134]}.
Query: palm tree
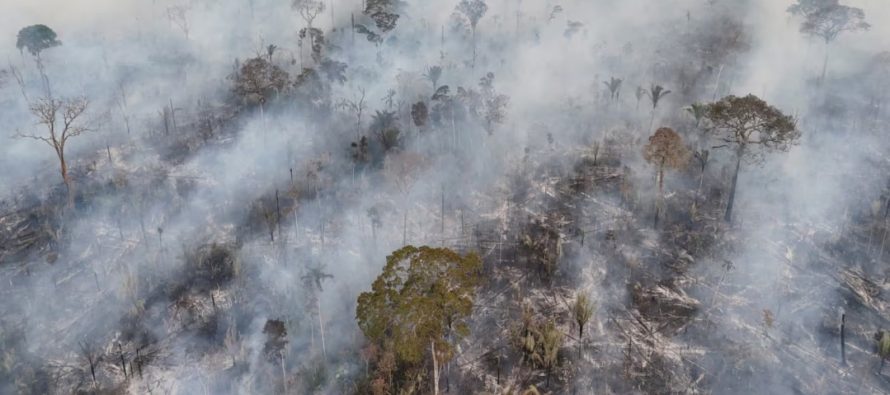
{"type": "Point", "coordinates": [433, 73]}
{"type": "Point", "coordinates": [640, 92]}
{"type": "Point", "coordinates": [384, 125]}
{"type": "Point", "coordinates": [551, 341]}
{"type": "Point", "coordinates": [656, 93]}
{"type": "Point", "coordinates": [698, 111]}
{"type": "Point", "coordinates": [582, 310]}
{"type": "Point", "coordinates": [614, 85]}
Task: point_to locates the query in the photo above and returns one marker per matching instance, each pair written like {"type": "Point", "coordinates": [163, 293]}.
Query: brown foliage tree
{"type": "Point", "coordinates": [665, 151]}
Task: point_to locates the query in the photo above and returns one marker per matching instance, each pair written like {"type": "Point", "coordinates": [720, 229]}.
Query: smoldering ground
{"type": "Point", "coordinates": [199, 217]}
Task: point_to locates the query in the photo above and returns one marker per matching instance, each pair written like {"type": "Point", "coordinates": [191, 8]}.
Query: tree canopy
{"type": "Point", "coordinates": [749, 121]}
{"type": "Point", "coordinates": [423, 294]}
{"type": "Point", "coordinates": [666, 149]}
{"type": "Point", "coordinates": [827, 19]}
{"type": "Point", "coordinates": [36, 38]}
{"type": "Point", "coordinates": [257, 80]}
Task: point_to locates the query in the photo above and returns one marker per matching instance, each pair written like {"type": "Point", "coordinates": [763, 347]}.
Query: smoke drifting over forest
{"type": "Point", "coordinates": [638, 196]}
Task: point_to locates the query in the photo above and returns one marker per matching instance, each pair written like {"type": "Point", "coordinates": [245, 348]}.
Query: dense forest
{"type": "Point", "coordinates": [398, 197]}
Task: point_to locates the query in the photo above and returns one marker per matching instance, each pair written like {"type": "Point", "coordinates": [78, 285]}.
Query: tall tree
{"type": "Point", "coordinates": [827, 19]}
{"type": "Point", "coordinates": [35, 39]}
{"type": "Point", "coordinates": [750, 127]}
{"type": "Point", "coordinates": [63, 119]}
{"type": "Point", "coordinates": [665, 151]}
{"type": "Point", "coordinates": [258, 80]}
{"type": "Point", "coordinates": [419, 303]}
{"type": "Point", "coordinates": [473, 11]}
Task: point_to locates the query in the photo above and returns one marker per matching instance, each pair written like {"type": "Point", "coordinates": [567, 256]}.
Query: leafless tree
{"type": "Point", "coordinates": [62, 119]}
{"type": "Point", "coordinates": [357, 106]}
{"type": "Point", "coordinates": [178, 16]}
{"type": "Point", "coordinates": [89, 352]}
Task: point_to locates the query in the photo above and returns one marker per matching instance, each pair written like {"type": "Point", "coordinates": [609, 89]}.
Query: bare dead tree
{"type": "Point", "coordinates": [92, 356]}
{"type": "Point", "coordinates": [178, 16]}
{"type": "Point", "coordinates": [357, 106]}
{"type": "Point", "coordinates": [62, 119]}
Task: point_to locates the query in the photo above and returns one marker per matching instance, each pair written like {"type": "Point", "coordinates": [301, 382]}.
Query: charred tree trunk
{"type": "Point", "coordinates": [843, 339]}
{"type": "Point", "coordinates": [120, 352]}
{"type": "Point", "coordinates": [658, 200]}
{"type": "Point", "coordinates": [735, 180]}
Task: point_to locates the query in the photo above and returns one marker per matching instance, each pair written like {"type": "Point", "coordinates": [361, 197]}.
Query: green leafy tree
{"type": "Point", "coordinates": [257, 81]}
{"type": "Point", "coordinates": [35, 39]}
{"type": "Point", "coordinates": [750, 127]}
{"type": "Point", "coordinates": [538, 342]}
{"type": "Point", "coordinates": [420, 302]}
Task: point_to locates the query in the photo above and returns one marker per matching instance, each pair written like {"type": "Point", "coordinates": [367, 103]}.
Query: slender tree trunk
{"type": "Point", "coordinates": [278, 214]}
{"type": "Point", "coordinates": [93, 372]}
{"type": "Point", "coordinates": [324, 351]}
{"type": "Point", "coordinates": [843, 339]}
{"type": "Point", "coordinates": [442, 217]}
{"type": "Point", "coordinates": [732, 191]}
{"type": "Point", "coordinates": [825, 63]}
{"type": "Point", "coordinates": [474, 46]}
{"type": "Point", "coordinates": [658, 199]}
{"type": "Point", "coordinates": [717, 84]}
{"type": "Point", "coordinates": [435, 368]}
{"type": "Point", "coordinates": [123, 362]}
{"type": "Point", "coordinates": [283, 374]}
{"type": "Point", "coordinates": [701, 181]}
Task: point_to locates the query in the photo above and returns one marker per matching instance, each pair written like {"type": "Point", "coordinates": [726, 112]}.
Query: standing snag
{"type": "Point", "coordinates": [750, 127]}
{"type": "Point", "coordinates": [62, 119]}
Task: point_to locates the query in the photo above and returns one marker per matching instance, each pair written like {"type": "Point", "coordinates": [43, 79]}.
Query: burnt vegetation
{"type": "Point", "coordinates": [406, 198]}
